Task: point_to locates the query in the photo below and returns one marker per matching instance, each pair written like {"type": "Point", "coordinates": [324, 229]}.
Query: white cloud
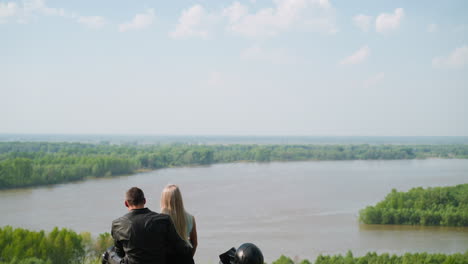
{"type": "Point", "coordinates": [315, 15]}
{"type": "Point", "coordinates": [39, 6]}
{"type": "Point", "coordinates": [363, 22]}
{"type": "Point", "coordinates": [235, 12]}
{"type": "Point", "coordinates": [457, 59]}
{"type": "Point", "coordinates": [388, 22]}
{"type": "Point", "coordinates": [194, 22]}
{"type": "Point", "coordinates": [324, 3]}
{"type": "Point", "coordinates": [308, 15]}
{"type": "Point", "coordinates": [432, 28]}
{"type": "Point", "coordinates": [275, 56]}
{"type": "Point", "coordinates": [357, 57]}
{"type": "Point", "coordinates": [94, 22]}
{"type": "Point", "coordinates": [28, 9]}
{"type": "Point", "coordinates": [7, 10]}
{"type": "Point", "coordinates": [140, 21]}
{"type": "Point", "coordinates": [374, 80]}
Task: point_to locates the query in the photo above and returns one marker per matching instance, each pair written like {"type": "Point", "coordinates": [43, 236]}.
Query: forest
{"type": "Point", "coordinates": [64, 246]}
{"type": "Point", "coordinates": [436, 206]}
{"type": "Point", "coordinates": [25, 164]}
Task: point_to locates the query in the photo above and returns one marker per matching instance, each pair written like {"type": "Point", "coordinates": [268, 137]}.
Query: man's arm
{"type": "Point", "coordinates": [118, 245]}
{"type": "Point", "coordinates": [119, 249]}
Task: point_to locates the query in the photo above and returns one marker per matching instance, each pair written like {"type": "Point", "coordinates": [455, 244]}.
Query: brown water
{"type": "Point", "coordinates": [294, 208]}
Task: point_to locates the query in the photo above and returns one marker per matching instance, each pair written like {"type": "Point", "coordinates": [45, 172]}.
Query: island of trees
{"type": "Point", "coordinates": [437, 206]}
{"type": "Point", "coordinates": [40, 163]}
{"type": "Point", "coordinates": [64, 246]}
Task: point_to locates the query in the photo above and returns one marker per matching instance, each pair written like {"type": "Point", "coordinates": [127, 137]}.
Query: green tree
{"type": "Point", "coordinates": [283, 260]}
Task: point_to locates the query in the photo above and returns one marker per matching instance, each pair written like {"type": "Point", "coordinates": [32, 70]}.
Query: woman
{"type": "Point", "coordinates": [172, 204]}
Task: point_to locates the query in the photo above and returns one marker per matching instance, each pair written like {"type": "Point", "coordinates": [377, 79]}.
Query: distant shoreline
{"type": "Point", "coordinates": [25, 164]}
{"type": "Point", "coordinates": [135, 139]}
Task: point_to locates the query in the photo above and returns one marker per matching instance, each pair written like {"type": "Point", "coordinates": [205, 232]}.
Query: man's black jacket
{"type": "Point", "coordinates": [145, 237]}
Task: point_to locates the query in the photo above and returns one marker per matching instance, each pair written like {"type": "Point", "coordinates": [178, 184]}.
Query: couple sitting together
{"type": "Point", "coordinates": [144, 236]}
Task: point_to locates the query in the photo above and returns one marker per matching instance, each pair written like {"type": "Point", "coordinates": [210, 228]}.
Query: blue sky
{"type": "Point", "coordinates": [283, 67]}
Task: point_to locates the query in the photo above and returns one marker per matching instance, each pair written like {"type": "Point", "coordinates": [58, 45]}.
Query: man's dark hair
{"type": "Point", "coordinates": [135, 196]}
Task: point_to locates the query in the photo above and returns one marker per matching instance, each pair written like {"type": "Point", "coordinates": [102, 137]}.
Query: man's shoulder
{"type": "Point", "coordinates": [148, 215]}
{"type": "Point", "coordinates": [121, 220]}
{"type": "Point", "coordinates": [159, 217]}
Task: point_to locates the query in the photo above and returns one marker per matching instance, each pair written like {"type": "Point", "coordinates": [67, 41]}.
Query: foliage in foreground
{"type": "Point", "coordinates": [408, 258]}
{"type": "Point", "coordinates": [374, 258]}
{"type": "Point", "coordinates": [64, 246]}
{"type": "Point", "coordinates": [40, 163]}
{"type": "Point", "coordinates": [437, 206]}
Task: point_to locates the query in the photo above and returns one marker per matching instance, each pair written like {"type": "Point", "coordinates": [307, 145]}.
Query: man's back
{"type": "Point", "coordinates": [144, 237]}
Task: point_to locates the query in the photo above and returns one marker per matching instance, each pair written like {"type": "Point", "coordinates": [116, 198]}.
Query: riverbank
{"type": "Point", "coordinates": [24, 164]}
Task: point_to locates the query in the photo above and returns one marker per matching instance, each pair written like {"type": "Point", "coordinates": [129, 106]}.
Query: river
{"type": "Point", "coordinates": [300, 209]}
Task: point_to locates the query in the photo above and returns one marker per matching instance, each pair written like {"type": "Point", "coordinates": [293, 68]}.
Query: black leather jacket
{"type": "Point", "coordinates": [145, 237]}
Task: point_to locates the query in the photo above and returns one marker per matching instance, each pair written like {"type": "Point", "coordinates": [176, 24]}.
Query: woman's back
{"type": "Point", "coordinates": [172, 204]}
{"type": "Point", "coordinates": [189, 223]}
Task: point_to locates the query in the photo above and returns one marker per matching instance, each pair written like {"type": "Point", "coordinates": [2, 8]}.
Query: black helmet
{"type": "Point", "coordinates": [248, 253]}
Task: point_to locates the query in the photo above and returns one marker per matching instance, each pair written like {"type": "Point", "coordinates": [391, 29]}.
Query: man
{"type": "Point", "coordinates": [143, 236]}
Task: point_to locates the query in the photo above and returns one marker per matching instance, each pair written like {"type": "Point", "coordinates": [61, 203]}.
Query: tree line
{"type": "Point", "coordinates": [436, 206]}
{"type": "Point", "coordinates": [40, 163]}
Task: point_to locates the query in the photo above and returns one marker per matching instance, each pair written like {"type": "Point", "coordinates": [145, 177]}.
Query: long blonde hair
{"type": "Point", "coordinates": [172, 204]}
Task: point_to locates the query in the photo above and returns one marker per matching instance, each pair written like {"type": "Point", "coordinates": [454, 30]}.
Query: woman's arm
{"type": "Point", "coordinates": [193, 236]}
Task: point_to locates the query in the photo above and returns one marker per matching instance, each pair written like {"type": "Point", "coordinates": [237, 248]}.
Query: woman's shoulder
{"type": "Point", "coordinates": [189, 220]}
{"type": "Point", "coordinates": [187, 214]}
{"type": "Point", "coordinates": [189, 217]}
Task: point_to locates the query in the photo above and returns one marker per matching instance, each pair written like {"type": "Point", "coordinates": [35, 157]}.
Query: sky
{"type": "Point", "coordinates": [252, 67]}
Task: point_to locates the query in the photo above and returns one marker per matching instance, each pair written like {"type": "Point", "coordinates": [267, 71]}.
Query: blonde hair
{"type": "Point", "coordinates": [172, 204]}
